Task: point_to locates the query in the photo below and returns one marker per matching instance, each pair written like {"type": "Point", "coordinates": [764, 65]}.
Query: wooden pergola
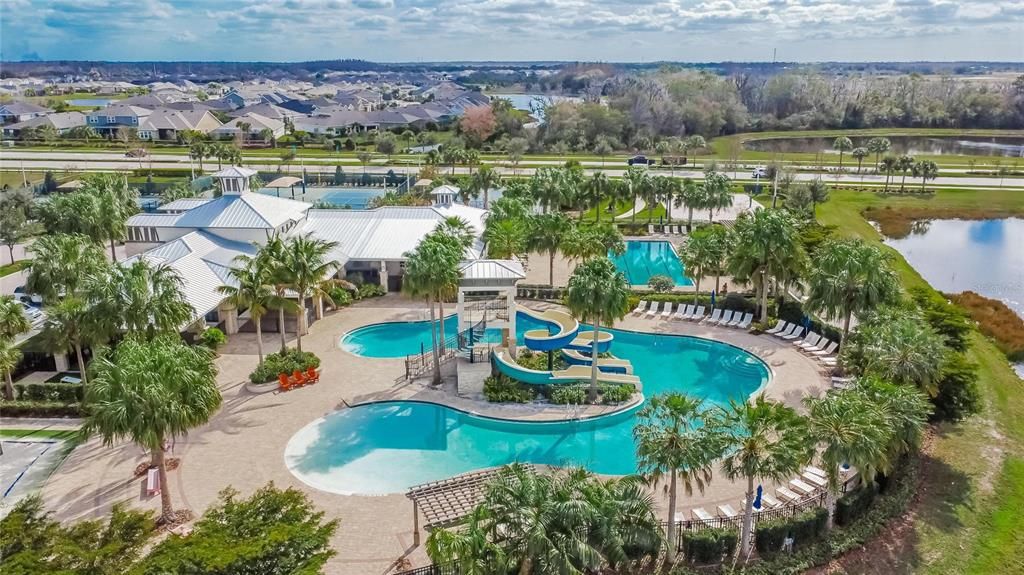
{"type": "Point", "coordinates": [284, 182]}
{"type": "Point", "coordinates": [447, 502]}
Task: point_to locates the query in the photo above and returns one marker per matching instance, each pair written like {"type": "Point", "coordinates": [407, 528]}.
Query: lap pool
{"type": "Point", "coordinates": [644, 259]}
{"type": "Point", "coordinates": [387, 447]}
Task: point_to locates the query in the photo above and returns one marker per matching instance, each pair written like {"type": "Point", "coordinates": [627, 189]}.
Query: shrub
{"type": "Point", "coordinates": [854, 504]}
{"type": "Point", "coordinates": [539, 360]}
{"type": "Point", "coordinates": [569, 394]}
{"type": "Point", "coordinates": [371, 290]}
{"type": "Point", "coordinates": [803, 528]}
{"type": "Point", "coordinates": [283, 362]}
{"type": "Point", "coordinates": [661, 284]}
{"type": "Point", "coordinates": [616, 393]}
{"type": "Point", "coordinates": [709, 545]}
{"type": "Point", "coordinates": [947, 319]}
{"type": "Point", "coordinates": [737, 302]}
{"type": "Point", "coordinates": [212, 338]}
{"type": "Point", "coordinates": [340, 296]}
{"type": "Point", "coordinates": [996, 320]}
{"type": "Point", "coordinates": [503, 389]}
{"type": "Point", "coordinates": [40, 409]}
{"type": "Point", "coordinates": [958, 395]}
{"type": "Point", "coordinates": [49, 392]}
{"type": "Point", "coordinates": [354, 278]}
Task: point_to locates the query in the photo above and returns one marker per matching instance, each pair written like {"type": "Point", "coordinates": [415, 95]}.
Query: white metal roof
{"type": "Point", "coordinates": [235, 172]}
{"type": "Point", "coordinates": [246, 210]}
{"type": "Point", "coordinates": [493, 269]}
{"type": "Point", "coordinates": [154, 220]}
{"type": "Point", "coordinates": [183, 205]}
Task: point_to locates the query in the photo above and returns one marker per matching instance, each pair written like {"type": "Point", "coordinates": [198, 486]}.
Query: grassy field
{"type": "Point", "coordinates": [70, 434]}
{"type": "Point", "coordinates": [13, 268]}
{"type": "Point", "coordinates": [967, 518]}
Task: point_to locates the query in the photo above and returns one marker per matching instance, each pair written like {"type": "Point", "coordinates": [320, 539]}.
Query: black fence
{"type": "Point", "coordinates": [448, 569]}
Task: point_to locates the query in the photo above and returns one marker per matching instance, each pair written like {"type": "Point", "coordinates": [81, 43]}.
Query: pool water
{"type": "Point", "coordinates": [390, 446]}
{"type": "Point", "coordinates": [643, 259]}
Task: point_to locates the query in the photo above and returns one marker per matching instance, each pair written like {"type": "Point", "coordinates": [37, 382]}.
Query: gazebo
{"type": "Point", "coordinates": [284, 182]}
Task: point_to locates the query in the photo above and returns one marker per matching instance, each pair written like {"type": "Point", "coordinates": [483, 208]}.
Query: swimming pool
{"type": "Point", "coordinates": [388, 447]}
{"type": "Point", "coordinates": [643, 259]}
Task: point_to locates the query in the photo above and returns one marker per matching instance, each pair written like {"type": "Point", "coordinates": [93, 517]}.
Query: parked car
{"type": "Point", "coordinates": [34, 314]}
{"type": "Point", "coordinates": [136, 153]}
{"type": "Point", "coordinates": [22, 295]}
{"type": "Point", "coordinates": [759, 172]}
{"type": "Point", "coordinates": [640, 160]}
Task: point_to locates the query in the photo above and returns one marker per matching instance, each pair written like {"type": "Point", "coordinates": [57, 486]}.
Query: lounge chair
{"type": "Point", "coordinates": [726, 318]}
{"type": "Point", "coordinates": [683, 311]}
{"type": "Point", "coordinates": [655, 308]}
{"type": "Point", "coordinates": [283, 383]}
{"type": "Point", "coordinates": [697, 315]}
{"type": "Point", "coordinates": [311, 375]}
{"type": "Point", "coordinates": [829, 361]}
{"type": "Point", "coordinates": [841, 382]}
{"type": "Point", "coordinates": [822, 343]}
{"type": "Point", "coordinates": [153, 482]}
{"type": "Point", "coordinates": [675, 230]}
{"type": "Point", "coordinates": [650, 229]}
{"type": "Point", "coordinates": [814, 479]}
{"type": "Point", "coordinates": [745, 322]}
{"type": "Point", "coordinates": [715, 316]}
{"type": "Point", "coordinates": [786, 494]}
{"type": "Point", "coordinates": [816, 470]}
{"type": "Point", "coordinates": [736, 318]}
{"type": "Point", "coordinates": [641, 307]}
{"type": "Point", "coordinates": [767, 501]}
{"type": "Point", "coordinates": [667, 312]}
{"type": "Point", "coordinates": [778, 327]}
{"type": "Point", "coordinates": [700, 514]}
{"type": "Point", "coordinates": [792, 328]}
{"type": "Point", "coordinates": [795, 334]}
{"type": "Point", "coordinates": [829, 350]}
{"type": "Point", "coordinates": [808, 340]}
{"type": "Point", "coordinates": [801, 487]}
{"type": "Point", "coordinates": [727, 511]}
{"type": "Point", "coordinates": [298, 379]}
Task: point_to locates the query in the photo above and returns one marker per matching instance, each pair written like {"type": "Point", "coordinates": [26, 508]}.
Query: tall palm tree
{"type": "Point", "coordinates": [717, 194]}
{"type": "Point", "coordinates": [597, 188]}
{"type": "Point", "coordinates": [901, 349]}
{"type": "Point", "coordinates": [906, 410]}
{"type": "Point", "coordinates": [904, 164]}
{"type": "Point", "coordinates": [697, 256]}
{"type": "Point", "coordinates": [850, 276]}
{"type": "Point", "coordinates": [141, 298]}
{"type": "Point", "coordinates": [546, 188]}
{"type": "Point", "coordinates": [692, 196]}
{"type": "Point", "coordinates": [624, 527]}
{"type": "Point", "coordinates": [199, 151]}
{"type": "Point", "coordinates": [115, 203]}
{"type": "Point", "coordinates": [888, 167]}
{"type": "Point", "coordinates": [637, 180]}
{"type": "Point", "coordinates": [151, 392]}
{"type": "Point", "coordinates": [272, 256]}
{"type": "Point", "coordinates": [878, 146]}
{"type": "Point", "coordinates": [71, 324]}
{"type": "Point", "coordinates": [430, 271]}
{"type": "Point", "coordinates": [842, 144]}
{"type": "Point", "coordinates": [848, 430]}
{"type": "Point", "coordinates": [310, 265]}
{"type": "Point", "coordinates": [675, 437]}
{"type": "Point", "coordinates": [483, 181]}
{"type": "Point", "coordinates": [926, 170]}
{"type": "Point", "coordinates": [766, 441]}
{"type": "Point", "coordinates": [546, 233]}
{"type": "Point", "coordinates": [61, 263]}
{"type": "Point", "coordinates": [597, 292]}
{"type": "Point", "coordinates": [765, 245]}
{"type": "Point", "coordinates": [859, 154]}
{"type": "Point", "coordinates": [505, 238]}
{"type": "Point", "coordinates": [456, 235]}
{"type": "Point", "coordinates": [253, 289]}
{"type": "Point", "coordinates": [12, 323]}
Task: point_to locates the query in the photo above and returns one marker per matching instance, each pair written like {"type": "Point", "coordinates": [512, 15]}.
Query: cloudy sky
{"type": "Point", "coordinates": [418, 30]}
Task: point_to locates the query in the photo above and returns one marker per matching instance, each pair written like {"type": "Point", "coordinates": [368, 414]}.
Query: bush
{"type": "Point", "coordinates": [49, 392]}
{"type": "Point", "coordinates": [611, 394]}
{"type": "Point", "coordinates": [709, 545]}
{"type": "Point", "coordinates": [354, 278]}
{"type": "Point", "coordinates": [40, 409]}
{"type": "Point", "coordinates": [371, 290]}
{"type": "Point", "coordinates": [947, 319]}
{"type": "Point", "coordinates": [738, 302]}
{"type": "Point", "coordinates": [661, 284]}
{"type": "Point", "coordinates": [503, 389]}
{"type": "Point", "coordinates": [283, 362]}
{"type": "Point", "coordinates": [854, 504]}
{"type": "Point", "coordinates": [803, 528]}
{"type": "Point", "coordinates": [569, 395]}
{"type": "Point", "coordinates": [538, 360]}
{"type": "Point", "coordinates": [212, 338]}
{"type": "Point", "coordinates": [340, 296]}
{"type": "Point", "coordinates": [958, 395]}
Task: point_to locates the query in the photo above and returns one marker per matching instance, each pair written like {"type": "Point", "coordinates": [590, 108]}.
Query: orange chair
{"type": "Point", "coordinates": [298, 379]}
{"type": "Point", "coordinates": [311, 375]}
{"type": "Point", "coordinates": [283, 383]}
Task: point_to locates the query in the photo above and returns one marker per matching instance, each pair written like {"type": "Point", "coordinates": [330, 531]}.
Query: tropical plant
{"type": "Point", "coordinates": [842, 144]}
{"type": "Point", "coordinates": [546, 232]}
{"type": "Point", "coordinates": [597, 292]}
{"type": "Point", "coordinates": [898, 347]}
{"type": "Point", "coordinates": [252, 288]}
{"type": "Point", "coordinates": [637, 181]}
{"type": "Point", "coordinates": [178, 191]}
{"type": "Point", "coordinates": [151, 392]}
{"type": "Point", "coordinates": [309, 266]}
{"type": "Point", "coordinates": [603, 149]}
{"type": "Point", "coordinates": [904, 164]}
{"type": "Point", "coordinates": [430, 271]}
{"type": "Point", "coordinates": [483, 181]}
{"type": "Point", "coordinates": [717, 192]}
{"type": "Point", "coordinates": [61, 263]}
{"type": "Point", "coordinates": [888, 167]}
{"type": "Point", "coordinates": [140, 298]}
{"type": "Point", "coordinates": [765, 245]}
{"type": "Point", "coordinates": [766, 441]}
{"type": "Point", "coordinates": [661, 283]}
{"type": "Point", "coordinates": [71, 324]}
{"type": "Point", "coordinates": [12, 323]}
{"type": "Point", "coordinates": [859, 154]}
{"type": "Point", "coordinates": [15, 225]}
{"type": "Point", "coordinates": [906, 410]}
{"type": "Point", "coordinates": [546, 188]}
{"type": "Point", "coordinates": [926, 170]}
{"type": "Point", "coordinates": [818, 192]}
{"type": "Point", "coordinates": [850, 276]}
{"type": "Point", "coordinates": [505, 238]}
{"type": "Point", "coordinates": [878, 146]}
{"type": "Point", "coordinates": [692, 196]}
{"type": "Point", "coordinates": [586, 242]}
{"type": "Point", "coordinates": [675, 437]}
{"type": "Point", "coordinates": [115, 203]}
{"type": "Point", "coordinates": [597, 188]}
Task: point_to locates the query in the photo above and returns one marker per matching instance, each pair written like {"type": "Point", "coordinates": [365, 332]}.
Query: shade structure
{"type": "Point", "coordinates": [283, 182]}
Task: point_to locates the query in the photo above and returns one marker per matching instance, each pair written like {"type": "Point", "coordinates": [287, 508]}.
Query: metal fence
{"type": "Point", "coordinates": [447, 569]}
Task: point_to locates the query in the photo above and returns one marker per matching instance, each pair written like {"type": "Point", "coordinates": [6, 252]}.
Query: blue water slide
{"type": "Point", "coordinates": [584, 341]}
{"type": "Point", "coordinates": [605, 364]}
{"type": "Point", "coordinates": [562, 330]}
{"type": "Point", "coordinates": [506, 365]}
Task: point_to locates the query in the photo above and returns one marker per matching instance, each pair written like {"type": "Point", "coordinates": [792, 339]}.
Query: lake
{"type": "Point", "coordinates": [527, 102]}
{"type": "Point", "coordinates": [912, 145]}
{"type": "Point", "coordinates": [89, 101]}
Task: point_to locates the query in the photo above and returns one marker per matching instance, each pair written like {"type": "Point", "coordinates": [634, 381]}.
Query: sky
{"type": "Point", "coordinates": [516, 30]}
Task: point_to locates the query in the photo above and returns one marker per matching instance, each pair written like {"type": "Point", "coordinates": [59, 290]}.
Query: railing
{"type": "Point", "coordinates": [446, 569]}
{"type": "Point", "coordinates": [420, 363]}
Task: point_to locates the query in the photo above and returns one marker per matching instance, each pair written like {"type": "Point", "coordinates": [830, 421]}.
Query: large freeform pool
{"type": "Point", "coordinates": [644, 259]}
{"type": "Point", "coordinates": [388, 447]}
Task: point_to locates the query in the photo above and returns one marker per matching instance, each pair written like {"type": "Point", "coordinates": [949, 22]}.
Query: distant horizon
{"type": "Point", "coordinates": [509, 61]}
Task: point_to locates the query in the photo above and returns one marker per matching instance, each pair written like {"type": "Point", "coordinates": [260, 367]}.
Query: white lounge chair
{"type": "Point", "coordinates": [829, 361]}
{"type": "Point", "coordinates": [736, 318]}
{"type": "Point", "coordinates": [792, 327]}
{"type": "Point", "coordinates": [786, 494]}
{"type": "Point", "coordinates": [727, 511]}
{"type": "Point", "coordinates": [650, 229]}
{"type": "Point", "coordinates": [801, 486]}
{"type": "Point", "coordinates": [829, 350]}
{"type": "Point", "coordinates": [808, 340]}
{"type": "Point", "coordinates": [822, 343]}
{"type": "Point", "coordinates": [816, 470]}
{"type": "Point", "coordinates": [683, 311]}
{"type": "Point", "coordinates": [715, 316]}
{"type": "Point", "coordinates": [814, 479]}
{"type": "Point", "coordinates": [641, 307]}
{"type": "Point", "coordinates": [697, 315]}
{"type": "Point", "coordinates": [769, 502]}
{"type": "Point", "coordinates": [726, 317]}
{"type": "Point", "coordinates": [655, 309]}
{"type": "Point", "coordinates": [778, 327]}
{"type": "Point", "coordinates": [700, 514]}
{"type": "Point", "coordinates": [677, 230]}
{"type": "Point", "coordinates": [745, 322]}
{"type": "Point", "coordinates": [794, 335]}
{"type": "Point", "coordinates": [667, 312]}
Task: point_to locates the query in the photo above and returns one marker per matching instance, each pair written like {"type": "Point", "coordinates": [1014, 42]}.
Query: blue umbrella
{"type": "Point", "coordinates": [757, 500]}
{"type": "Point", "coordinates": [712, 299]}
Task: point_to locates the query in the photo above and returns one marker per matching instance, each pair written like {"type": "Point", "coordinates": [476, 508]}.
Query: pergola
{"type": "Point", "coordinates": [447, 502]}
{"type": "Point", "coordinates": [284, 182]}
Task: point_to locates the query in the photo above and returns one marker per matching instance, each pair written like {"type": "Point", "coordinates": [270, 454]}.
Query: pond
{"type": "Point", "coordinates": [90, 102]}
{"type": "Point", "coordinates": [527, 102]}
{"type": "Point", "coordinates": [913, 145]}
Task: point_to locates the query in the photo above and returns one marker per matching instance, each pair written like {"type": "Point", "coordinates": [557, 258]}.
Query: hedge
{"type": "Point", "coordinates": [709, 545]}
{"type": "Point", "coordinates": [25, 408]}
{"type": "Point", "coordinates": [855, 504]}
{"type": "Point", "coordinates": [49, 392]}
{"type": "Point", "coordinates": [283, 362]}
{"type": "Point", "coordinates": [803, 528]}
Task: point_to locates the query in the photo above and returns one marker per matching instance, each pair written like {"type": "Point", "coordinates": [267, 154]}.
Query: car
{"type": "Point", "coordinates": [759, 172]}
{"type": "Point", "coordinates": [640, 160]}
{"type": "Point", "coordinates": [136, 153]}
{"type": "Point", "coordinates": [22, 295]}
{"type": "Point", "coordinates": [34, 315]}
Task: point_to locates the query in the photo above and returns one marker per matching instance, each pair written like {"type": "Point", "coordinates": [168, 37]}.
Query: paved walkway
{"type": "Point", "coordinates": [243, 445]}
{"type": "Point", "coordinates": [639, 207]}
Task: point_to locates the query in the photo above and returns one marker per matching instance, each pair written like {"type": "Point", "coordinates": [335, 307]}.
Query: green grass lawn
{"type": "Point", "coordinates": [66, 434]}
{"type": "Point", "coordinates": [621, 207]}
{"type": "Point", "coordinates": [968, 518]}
{"type": "Point", "coordinates": [17, 266]}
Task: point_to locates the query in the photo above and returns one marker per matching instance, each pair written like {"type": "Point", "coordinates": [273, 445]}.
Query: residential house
{"type": "Point", "coordinates": [13, 112]}
{"type": "Point", "coordinates": [60, 121]}
{"type": "Point", "coordinates": [165, 123]}
{"type": "Point", "coordinates": [257, 124]}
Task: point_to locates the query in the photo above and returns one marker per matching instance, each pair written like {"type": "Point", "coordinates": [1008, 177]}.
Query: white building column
{"type": "Point", "coordinates": [510, 299]}
{"type": "Point", "coordinates": [229, 314]}
{"type": "Point", "coordinates": [384, 274]}
{"type": "Point", "coordinates": [60, 359]}
{"type": "Point", "coordinates": [318, 306]}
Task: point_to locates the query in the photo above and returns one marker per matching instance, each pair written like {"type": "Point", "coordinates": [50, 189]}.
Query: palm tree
{"type": "Point", "coordinates": [765, 245]}
{"type": "Point", "coordinates": [766, 441]}
{"type": "Point", "coordinates": [637, 180]}
{"type": "Point", "coordinates": [597, 292]}
{"type": "Point", "coordinates": [850, 276]}
{"type": "Point", "coordinates": [309, 264]}
{"type": "Point", "coordinates": [842, 144]}
{"type": "Point", "coordinates": [717, 194]}
{"type": "Point", "coordinates": [115, 202]}
{"type": "Point", "coordinates": [903, 349]}
{"type": "Point", "coordinates": [546, 187]}
{"type": "Point", "coordinates": [692, 196]}
{"type": "Point", "coordinates": [430, 271]}
{"type": "Point", "coordinates": [597, 188]}
{"type": "Point", "coordinates": [485, 179]}
{"type": "Point", "coordinates": [60, 264]}
{"type": "Point", "coordinates": [859, 153]}
{"type": "Point", "coordinates": [12, 323]}
{"type": "Point", "coordinates": [505, 238]}
{"type": "Point", "coordinates": [675, 437]}
{"type": "Point", "coordinates": [848, 430]}
{"type": "Point", "coordinates": [926, 170]}
{"type": "Point", "coordinates": [199, 151]}
{"type": "Point", "coordinates": [151, 392]}
{"type": "Point", "coordinates": [141, 298]}
{"type": "Point", "coordinates": [457, 235]}
{"type": "Point", "coordinates": [469, 548]}
{"type": "Point", "coordinates": [878, 146]}
{"type": "Point", "coordinates": [253, 289]}
{"type": "Point", "coordinates": [906, 410]}
{"type": "Point", "coordinates": [71, 324]}
{"type": "Point", "coordinates": [624, 526]}
{"type": "Point", "coordinates": [818, 192]}
{"type": "Point", "coordinates": [546, 233]}
{"type": "Point", "coordinates": [904, 164]}
{"type": "Point", "coordinates": [697, 256]}
{"type": "Point", "coordinates": [888, 167]}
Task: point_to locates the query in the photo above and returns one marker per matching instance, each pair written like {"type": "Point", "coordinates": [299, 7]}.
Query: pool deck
{"type": "Point", "coordinates": [243, 444]}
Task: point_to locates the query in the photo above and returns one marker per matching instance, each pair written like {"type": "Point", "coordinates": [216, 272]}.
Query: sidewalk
{"type": "Point", "coordinates": [36, 424]}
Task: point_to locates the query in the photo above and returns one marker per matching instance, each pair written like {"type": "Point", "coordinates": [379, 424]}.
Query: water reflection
{"type": "Point", "coordinates": [914, 145]}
